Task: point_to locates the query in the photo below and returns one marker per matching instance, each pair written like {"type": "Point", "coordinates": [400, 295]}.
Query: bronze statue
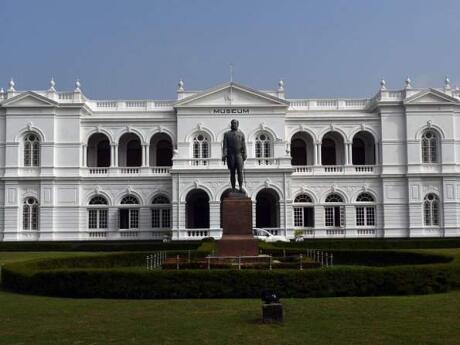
{"type": "Point", "coordinates": [234, 152]}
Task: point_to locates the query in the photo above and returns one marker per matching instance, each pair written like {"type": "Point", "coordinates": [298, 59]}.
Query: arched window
{"type": "Point", "coordinates": [334, 214]}
{"type": "Point", "coordinates": [98, 213]}
{"type": "Point", "coordinates": [200, 149]}
{"type": "Point", "coordinates": [365, 213]}
{"type": "Point", "coordinates": [431, 210]}
{"type": "Point", "coordinates": [263, 148]}
{"type": "Point", "coordinates": [161, 212]}
{"type": "Point", "coordinates": [304, 215]}
{"type": "Point", "coordinates": [31, 150]}
{"type": "Point", "coordinates": [129, 213]}
{"type": "Point", "coordinates": [30, 214]}
{"type": "Point", "coordinates": [430, 147]}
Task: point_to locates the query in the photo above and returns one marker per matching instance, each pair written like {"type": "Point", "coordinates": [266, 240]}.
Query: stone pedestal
{"type": "Point", "coordinates": [272, 312]}
{"type": "Point", "coordinates": [237, 238]}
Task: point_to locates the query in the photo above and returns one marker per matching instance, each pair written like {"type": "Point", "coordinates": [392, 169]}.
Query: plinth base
{"type": "Point", "coordinates": [237, 245]}
{"type": "Point", "coordinates": [272, 312]}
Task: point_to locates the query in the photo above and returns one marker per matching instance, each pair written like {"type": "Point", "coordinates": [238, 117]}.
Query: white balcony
{"type": "Point", "coordinates": [126, 171]}
{"type": "Point", "coordinates": [314, 170]}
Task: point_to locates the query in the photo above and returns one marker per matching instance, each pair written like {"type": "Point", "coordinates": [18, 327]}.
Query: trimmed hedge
{"type": "Point", "coordinates": [76, 278]}
{"type": "Point", "coordinates": [384, 243]}
{"type": "Point", "coordinates": [371, 257]}
{"type": "Point", "coordinates": [100, 246]}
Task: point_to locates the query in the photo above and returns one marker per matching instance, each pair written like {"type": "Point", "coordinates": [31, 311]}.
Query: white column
{"type": "Point", "coordinates": [315, 154]}
{"type": "Point", "coordinates": [350, 153]}
{"type": "Point", "coordinates": [147, 155]}
{"type": "Point", "coordinates": [319, 155]}
{"type": "Point", "coordinates": [116, 156]}
{"type": "Point", "coordinates": [143, 154]}
{"type": "Point", "coordinates": [112, 154]}
{"type": "Point", "coordinates": [347, 160]}
{"type": "Point", "coordinates": [377, 153]}
{"type": "Point", "coordinates": [85, 156]}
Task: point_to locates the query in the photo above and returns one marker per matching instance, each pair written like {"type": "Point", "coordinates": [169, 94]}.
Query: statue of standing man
{"type": "Point", "coordinates": [234, 153]}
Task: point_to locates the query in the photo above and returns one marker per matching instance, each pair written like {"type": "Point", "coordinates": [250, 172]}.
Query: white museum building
{"type": "Point", "coordinates": [73, 168]}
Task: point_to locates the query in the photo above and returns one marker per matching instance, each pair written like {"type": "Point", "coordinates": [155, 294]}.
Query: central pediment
{"type": "Point", "coordinates": [231, 95]}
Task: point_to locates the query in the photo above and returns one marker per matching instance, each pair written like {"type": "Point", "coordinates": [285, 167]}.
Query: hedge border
{"type": "Point", "coordinates": [41, 277]}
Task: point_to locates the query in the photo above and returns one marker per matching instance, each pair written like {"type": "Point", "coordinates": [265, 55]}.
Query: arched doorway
{"type": "Point", "coordinates": [302, 149]}
{"type": "Point", "coordinates": [222, 197]}
{"type": "Point", "coordinates": [197, 209]}
{"type": "Point", "coordinates": [98, 150]}
{"type": "Point", "coordinates": [363, 149]}
{"type": "Point", "coordinates": [129, 151]}
{"type": "Point", "coordinates": [161, 150]}
{"type": "Point", "coordinates": [332, 149]}
{"type": "Point", "coordinates": [267, 209]}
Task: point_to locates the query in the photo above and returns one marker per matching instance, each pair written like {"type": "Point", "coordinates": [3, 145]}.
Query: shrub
{"type": "Point", "coordinates": [384, 243]}
{"type": "Point", "coordinates": [78, 277]}
{"type": "Point", "coordinates": [103, 246]}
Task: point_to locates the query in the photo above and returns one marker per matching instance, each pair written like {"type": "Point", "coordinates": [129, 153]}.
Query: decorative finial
{"type": "Point", "coordinates": [383, 84]}
{"type": "Point", "coordinates": [447, 84]}
{"type": "Point", "coordinates": [408, 83]}
{"type": "Point", "coordinates": [281, 86]}
{"type": "Point", "coordinates": [52, 85]}
{"type": "Point", "coordinates": [180, 85]}
{"type": "Point", "coordinates": [77, 85]}
{"type": "Point", "coordinates": [11, 84]}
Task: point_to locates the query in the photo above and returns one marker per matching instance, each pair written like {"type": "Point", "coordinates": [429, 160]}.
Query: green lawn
{"type": "Point", "coordinates": [429, 319]}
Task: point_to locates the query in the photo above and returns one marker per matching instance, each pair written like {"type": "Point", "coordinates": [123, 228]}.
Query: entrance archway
{"type": "Point", "coordinates": [267, 209]}
{"type": "Point", "coordinates": [197, 209]}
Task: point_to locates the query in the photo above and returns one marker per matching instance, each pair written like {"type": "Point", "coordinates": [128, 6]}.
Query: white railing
{"type": "Point", "coordinates": [136, 104]}
{"type": "Point", "coordinates": [304, 170]}
{"type": "Point", "coordinates": [198, 233]}
{"type": "Point", "coordinates": [160, 170]}
{"type": "Point", "coordinates": [106, 104]}
{"type": "Point", "coordinates": [116, 171]}
{"type": "Point", "coordinates": [98, 171]}
{"type": "Point", "coordinates": [98, 234]}
{"type": "Point", "coordinates": [364, 168]}
{"type": "Point", "coordinates": [129, 233]}
{"type": "Point", "coordinates": [329, 104]}
{"type": "Point", "coordinates": [65, 96]}
{"type": "Point", "coordinates": [335, 232]}
{"type": "Point", "coordinates": [335, 169]}
{"type": "Point", "coordinates": [130, 171]}
{"type": "Point", "coordinates": [365, 232]}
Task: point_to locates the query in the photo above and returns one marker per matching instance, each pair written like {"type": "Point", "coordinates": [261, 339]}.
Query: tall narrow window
{"type": "Point", "coordinates": [31, 150]}
{"type": "Point", "coordinates": [98, 213]}
{"type": "Point", "coordinates": [263, 148]}
{"type": "Point", "coordinates": [304, 215]}
{"type": "Point", "coordinates": [431, 210]}
{"type": "Point", "coordinates": [129, 213]}
{"type": "Point", "coordinates": [430, 147]}
{"type": "Point", "coordinates": [30, 214]}
{"type": "Point", "coordinates": [365, 212]}
{"type": "Point", "coordinates": [200, 149]}
{"type": "Point", "coordinates": [161, 212]}
{"type": "Point", "coordinates": [334, 214]}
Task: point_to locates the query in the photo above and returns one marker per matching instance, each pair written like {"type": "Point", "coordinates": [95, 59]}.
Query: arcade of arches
{"type": "Point", "coordinates": [197, 209]}
{"type": "Point", "coordinates": [333, 150]}
{"type": "Point", "coordinates": [130, 152]}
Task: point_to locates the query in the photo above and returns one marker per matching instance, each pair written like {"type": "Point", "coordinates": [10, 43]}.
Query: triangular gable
{"type": "Point", "coordinates": [431, 96]}
{"type": "Point", "coordinates": [231, 94]}
{"type": "Point", "coordinates": [29, 99]}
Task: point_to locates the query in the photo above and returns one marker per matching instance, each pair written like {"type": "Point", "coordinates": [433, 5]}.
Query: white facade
{"type": "Point", "coordinates": [74, 169]}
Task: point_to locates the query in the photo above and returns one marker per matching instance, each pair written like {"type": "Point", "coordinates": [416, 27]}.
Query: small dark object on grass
{"type": "Point", "coordinates": [270, 296]}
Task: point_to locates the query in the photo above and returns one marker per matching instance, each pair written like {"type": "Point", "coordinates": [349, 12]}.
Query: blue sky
{"type": "Point", "coordinates": [140, 49]}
